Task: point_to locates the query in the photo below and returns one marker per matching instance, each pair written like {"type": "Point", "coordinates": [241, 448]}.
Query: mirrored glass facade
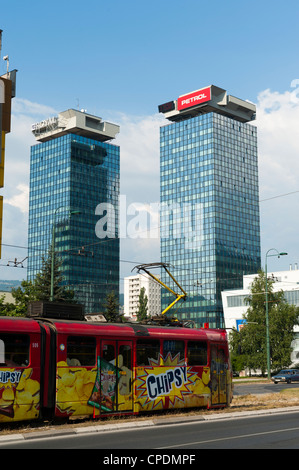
{"type": "Point", "coordinates": [210, 227]}
{"type": "Point", "coordinates": [69, 177]}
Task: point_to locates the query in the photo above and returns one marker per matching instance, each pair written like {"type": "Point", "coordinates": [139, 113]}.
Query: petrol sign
{"type": "Point", "coordinates": [194, 98]}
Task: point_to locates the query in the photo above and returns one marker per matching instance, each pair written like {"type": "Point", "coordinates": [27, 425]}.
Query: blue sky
{"type": "Point", "coordinates": [132, 55]}
{"type": "Point", "coordinates": [120, 60]}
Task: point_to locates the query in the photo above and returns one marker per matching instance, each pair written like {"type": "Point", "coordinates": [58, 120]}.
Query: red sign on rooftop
{"type": "Point", "coordinates": [194, 98]}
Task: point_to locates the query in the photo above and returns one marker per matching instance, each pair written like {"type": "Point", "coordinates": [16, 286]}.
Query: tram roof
{"type": "Point", "coordinates": [110, 330]}
{"type": "Point", "coordinates": [136, 330]}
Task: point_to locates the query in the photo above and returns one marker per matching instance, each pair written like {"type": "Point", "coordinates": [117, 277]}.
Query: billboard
{"type": "Point", "coordinates": [240, 324]}
{"type": "Point", "coordinates": [166, 107]}
{"type": "Point", "coordinates": [1, 217]}
{"type": "Point", "coordinates": [195, 98]}
{"type": "Point", "coordinates": [5, 103]}
{"type": "Point", "coordinates": [2, 154]}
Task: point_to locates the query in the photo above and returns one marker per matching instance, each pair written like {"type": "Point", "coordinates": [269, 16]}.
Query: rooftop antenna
{"type": "Point", "coordinates": [7, 62]}
{"type": "Point", "coordinates": [1, 31]}
{"type": "Point", "coordinates": [6, 56]}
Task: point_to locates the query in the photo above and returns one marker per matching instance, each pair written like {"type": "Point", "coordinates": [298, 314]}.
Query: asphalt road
{"type": "Point", "coordinates": [268, 431]}
{"type": "Point", "coordinates": [265, 429]}
{"type": "Point", "coordinates": [256, 388]}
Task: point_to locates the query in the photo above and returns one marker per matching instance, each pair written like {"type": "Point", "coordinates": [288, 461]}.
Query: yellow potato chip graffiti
{"type": "Point", "coordinates": [32, 386]}
{"type": "Point", "coordinates": [74, 386]}
{"type": "Point", "coordinates": [26, 374]}
{"type": "Point", "coordinates": [206, 375]}
{"type": "Point", "coordinates": [8, 394]}
{"type": "Point", "coordinates": [22, 397]}
{"type": "Point", "coordinates": [67, 380]}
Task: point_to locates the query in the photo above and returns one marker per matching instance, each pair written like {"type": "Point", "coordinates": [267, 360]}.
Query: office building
{"type": "Point", "coordinates": [132, 287]}
{"type": "Point", "coordinates": [210, 227]}
{"type": "Point", "coordinates": [74, 170]}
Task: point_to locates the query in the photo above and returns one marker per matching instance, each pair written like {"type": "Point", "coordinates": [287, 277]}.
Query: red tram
{"type": "Point", "coordinates": [62, 368]}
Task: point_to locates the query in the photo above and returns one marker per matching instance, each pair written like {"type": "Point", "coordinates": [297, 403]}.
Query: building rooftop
{"type": "Point", "coordinates": [74, 122]}
{"type": "Point", "coordinates": [206, 100]}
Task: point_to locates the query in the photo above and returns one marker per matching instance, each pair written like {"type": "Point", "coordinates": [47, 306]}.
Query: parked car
{"type": "Point", "coordinates": [286, 375]}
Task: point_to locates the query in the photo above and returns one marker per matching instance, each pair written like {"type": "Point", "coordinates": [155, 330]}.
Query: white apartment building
{"type": "Point", "coordinates": [234, 305]}
{"type": "Point", "coordinates": [132, 287]}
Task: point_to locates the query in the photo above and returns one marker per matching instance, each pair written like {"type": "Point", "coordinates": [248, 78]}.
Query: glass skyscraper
{"type": "Point", "coordinates": [72, 171]}
{"type": "Point", "coordinates": [210, 228]}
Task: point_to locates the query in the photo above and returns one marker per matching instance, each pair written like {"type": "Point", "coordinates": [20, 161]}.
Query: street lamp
{"type": "Point", "coordinates": [71, 212]}
{"type": "Point", "coordinates": [267, 310]}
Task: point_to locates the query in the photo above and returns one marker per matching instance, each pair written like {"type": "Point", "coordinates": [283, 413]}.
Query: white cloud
{"type": "Point", "coordinates": [20, 200]}
{"type": "Point", "coordinates": [16, 182]}
{"type": "Point", "coordinates": [277, 122]}
{"type": "Point", "coordinates": [278, 144]}
{"type": "Point", "coordinates": [22, 106]}
{"type": "Point", "coordinates": [140, 185]}
{"type": "Point", "coordinates": [140, 157]}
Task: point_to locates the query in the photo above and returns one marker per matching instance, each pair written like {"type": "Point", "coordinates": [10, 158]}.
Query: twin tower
{"type": "Point", "coordinates": [209, 204]}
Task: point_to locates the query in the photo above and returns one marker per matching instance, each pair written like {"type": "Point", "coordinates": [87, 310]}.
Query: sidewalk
{"type": "Point", "coordinates": [238, 380]}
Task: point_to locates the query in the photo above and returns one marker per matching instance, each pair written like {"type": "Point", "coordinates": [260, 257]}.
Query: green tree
{"type": "Point", "coordinates": [111, 308]}
{"type": "Point", "coordinates": [38, 290]}
{"type": "Point", "coordinates": [250, 342]}
{"type": "Point", "coordinates": [42, 282]}
{"type": "Point", "coordinates": [6, 308]}
{"type": "Point", "coordinates": [23, 295]}
{"type": "Point", "coordinates": [142, 305]}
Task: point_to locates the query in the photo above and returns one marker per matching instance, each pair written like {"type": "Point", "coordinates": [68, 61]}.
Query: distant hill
{"type": "Point", "coordinates": [6, 286]}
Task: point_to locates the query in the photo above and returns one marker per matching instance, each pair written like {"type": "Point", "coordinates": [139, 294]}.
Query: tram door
{"type": "Point", "coordinates": [218, 375]}
{"type": "Point", "coordinates": [116, 376]}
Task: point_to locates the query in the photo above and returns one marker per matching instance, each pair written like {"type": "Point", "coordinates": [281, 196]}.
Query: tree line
{"type": "Point", "coordinates": [248, 345]}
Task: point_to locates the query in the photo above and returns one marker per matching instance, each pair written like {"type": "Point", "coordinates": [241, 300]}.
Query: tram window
{"type": "Point", "coordinates": [81, 351]}
{"type": "Point", "coordinates": [174, 347]}
{"type": "Point", "coordinates": [16, 348]}
{"type": "Point", "coordinates": [108, 352]}
{"type": "Point", "coordinates": [146, 350]}
{"type": "Point", "coordinates": [125, 352]}
{"type": "Point", "coordinates": [197, 353]}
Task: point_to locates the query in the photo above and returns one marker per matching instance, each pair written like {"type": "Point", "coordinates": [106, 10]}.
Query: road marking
{"type": "Point", "coordinates": [229, 438]}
